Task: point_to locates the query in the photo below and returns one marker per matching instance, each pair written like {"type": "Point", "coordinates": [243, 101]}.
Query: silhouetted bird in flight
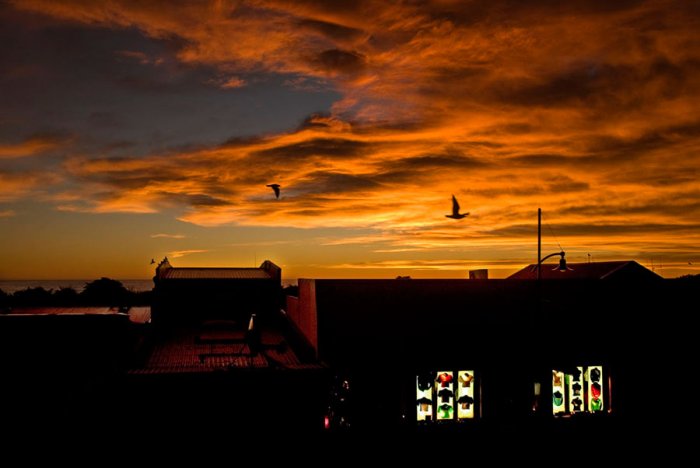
{"type": "Point", "coordinates": [276, 188]}
{"type": "Point", "coordinates": [455, 210]}
{"type": "Point", "coordinates": [153, 261]}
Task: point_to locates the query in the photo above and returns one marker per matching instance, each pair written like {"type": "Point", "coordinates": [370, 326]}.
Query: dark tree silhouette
{"type": "Point", "coordinates": [140, 298]}
{"type": "Point", "coordinates": [4, 300]}
{"type": "Point", "coordinates": [32, 297]}
{"type": "Point", "coordinates": [66, 297]}
{"type": "Point", "coordinates": [105, 291]}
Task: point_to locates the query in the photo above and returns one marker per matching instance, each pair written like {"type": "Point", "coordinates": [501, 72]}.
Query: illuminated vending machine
{"type": "Point", "coordinates": [424, 396]}
{"type": "Point", "coordinates": [594, 388]}
{"type": "Point", "coordinates": [465, 394]}
{"type": "Point", "coordinates": [445, 393]}
{"type": "Point", "coordinates": [581, 391]}
{"type": "Point", "coordinates": [558, 392]}
{"type": "Point", "coordinates": [576, 391]}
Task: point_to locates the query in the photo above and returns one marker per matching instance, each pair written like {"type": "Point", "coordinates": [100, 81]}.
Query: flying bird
{"type": "Point", "coordinates": [455, 210]}
{"type": "Point", "coordinates": [276, 188]}
{"type": "Point", "coordinates": [153, 261]}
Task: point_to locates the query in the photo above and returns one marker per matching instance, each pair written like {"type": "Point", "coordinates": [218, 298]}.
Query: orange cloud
{"type": "Point", "coordinates": [182, 253]}
{"type": "Point", "coordinates": [168, 236]}
{"type": "Point", "coordinates": [589, 111]}
{"type": "Point", "coordinates": [231, 83]}
{"type": "Point", "coordinates": [17, 185]}
{"type": "Point", "coordinates": [34, 145]}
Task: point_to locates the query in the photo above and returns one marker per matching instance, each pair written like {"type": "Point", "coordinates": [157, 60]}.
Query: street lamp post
{"type": "Point", "coordinates": [540, 356]}
{"type": "Point", "coordinates": [540, 260]}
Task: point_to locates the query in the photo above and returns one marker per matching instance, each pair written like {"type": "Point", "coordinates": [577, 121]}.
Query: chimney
{"type": "Point", "coordinates": [481, 274]}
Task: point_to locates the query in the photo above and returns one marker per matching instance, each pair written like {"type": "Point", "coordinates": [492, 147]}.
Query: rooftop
{"type": "Point", "coordinates": [65, 311]}
{"type": "Point", "coordinates": [214, 346]}
{"type": "Point", "coordinates": [140, 314]}
{"type": "Point", "coordinates": [215, 273]}
{"type": "Point", "coordinates": [627, 269]}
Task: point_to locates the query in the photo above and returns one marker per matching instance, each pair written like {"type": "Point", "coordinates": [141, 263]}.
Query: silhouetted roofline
{"type": "Point", "coordinates": [593, 270]}
{"type": "Point", "coordinates": [267, 270]}
{"type": "Point", "coordinates": [215, 273]}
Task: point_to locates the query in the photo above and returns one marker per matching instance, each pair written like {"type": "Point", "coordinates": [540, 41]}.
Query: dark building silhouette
{"type": "Point", "coordinates": [547, 355]}
{"type": "Point", "coordinates": [195, 294]}
{"type": "Point", "coordinates": [628, 270]}
{"type": "Point", "coordinates": [59, 366]}
{"type": "Point", "coordinates": [536, 358]}
{"type": "Point", "coordinates": [480, 274]}
{"type": "Point", "coordinates": [217, 351]}
{"type": "Point", "coordinates": [220, 349]}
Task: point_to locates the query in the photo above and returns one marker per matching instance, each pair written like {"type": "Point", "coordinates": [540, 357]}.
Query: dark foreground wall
{"type": "Point", "coordinates": [513, 333]}
{"type": "Point", "coordinates": [182, 300]}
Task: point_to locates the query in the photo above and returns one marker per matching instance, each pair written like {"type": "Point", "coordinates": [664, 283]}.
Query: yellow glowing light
{"type": "Point", "coordinates": [595, 389]}
{"type": "Point", "coordinates": [558, 392]}
{"type": "Point", "coordinates": [445, 395]}
{"type": "Point", "coordinates": [424, 400]}
{"type": "Point", "coordinates": [576, 390]}
{"type": "Point", "coordinates": [465, 394]}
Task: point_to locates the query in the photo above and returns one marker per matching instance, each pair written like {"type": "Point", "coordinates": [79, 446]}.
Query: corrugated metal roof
{"type": "Point", "coordinates": [192, 350]}
{"type": "Point", "coordinates": [593, 270]}
{"type": "Point", "coordinates": [215, 273]}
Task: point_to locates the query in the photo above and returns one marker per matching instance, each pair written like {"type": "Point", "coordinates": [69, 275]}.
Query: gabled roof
{"type": "Point", "coordinates": [628, 269]}
{"type": "Point", "coordinates": [215, 273]}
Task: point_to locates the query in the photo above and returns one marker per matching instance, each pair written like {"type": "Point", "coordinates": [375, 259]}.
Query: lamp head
{"type": "Point", "coordinates": [562, 262]}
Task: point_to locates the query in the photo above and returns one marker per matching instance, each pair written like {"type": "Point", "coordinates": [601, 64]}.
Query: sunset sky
{"type": "Point", "coordinates": [132, 130]}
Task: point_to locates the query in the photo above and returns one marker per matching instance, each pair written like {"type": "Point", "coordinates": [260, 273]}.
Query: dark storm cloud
{"type": "Point", "coordinates": [602, 84]}
{"type": "Point", "coordinates": [116, 84]}
{"type": "Point", "coordinates": [599, 230]}
{"type": "Point", "coordinates": [340, 61]}
{"type": "Point", "coordinates": [104, 119]}
{"type": "Point", "coordinates": [196, 200]}
{"type": "Point", "coordinates": [332, 30]}
{"type": "Point", "coordinates": [469, 12]}
{"type": "Point", "coordinates": [664, 177]}
{"type": "Point", "coordinates": [417, 169]}
{"type": "Point", "coordinates": [334, 183]}
{"type": "Point", "coordinates": [505, 103]}
{"type": "Point", "coordinates": [536, 160]}
{"type": "Point", "coordinates": [667, 207]}
{"type": "Point", "coordinates": [600, 151]}
{"type": "Point", "coordinates": [553, 186]}
{"type": "Point", "coordinates": [325, 147]}
{"type": "Point", "coordinates": [440, 161]}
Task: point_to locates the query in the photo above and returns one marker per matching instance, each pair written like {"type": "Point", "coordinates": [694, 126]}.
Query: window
{"type": "Point", "coordinates": [445, 395]}
{"type": "Point", "coordinates": [581, 390]}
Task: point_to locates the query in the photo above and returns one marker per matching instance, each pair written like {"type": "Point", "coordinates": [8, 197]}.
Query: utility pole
{"type": "Point", "coordinates": [539, 243]}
